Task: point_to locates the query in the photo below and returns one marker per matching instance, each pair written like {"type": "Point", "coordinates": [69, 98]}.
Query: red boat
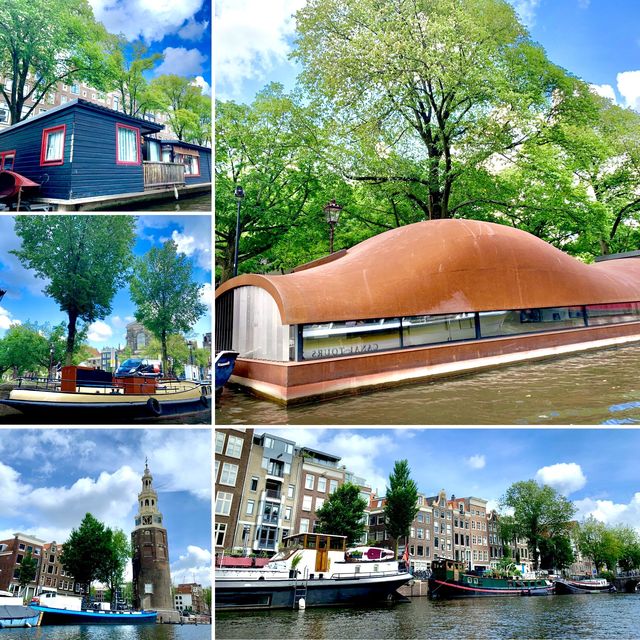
{"type": "Point", "coordinates": [12, 184]}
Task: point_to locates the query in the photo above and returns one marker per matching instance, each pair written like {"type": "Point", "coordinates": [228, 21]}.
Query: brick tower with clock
{"type": "Point", "coordinates": [151, 575]}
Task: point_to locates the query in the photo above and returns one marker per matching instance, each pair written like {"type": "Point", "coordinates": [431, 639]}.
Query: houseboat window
{"type": "Point", "coordinates": [52, 150]}
{"type": "Point", "coordinates": [310, 542]}
{"type": "Point", "coordinates": [191, 166]}
{"type": "Point", "coordinates": [128, 144]}
{"type": "Point", "coordinates": [504, 323]}
{"type": "Point", "coordinates": [349, 338]}
{"type": "Point", "coordinates": [7, 158]}
{"type": "Point", "coordinates": [154, 151]}
{"type": "Point", "coordinates": [417, 330]}
{"type": "Point", "coordinates": [613, 313]}
{"type": "Point", "coordinates": [336, 544]}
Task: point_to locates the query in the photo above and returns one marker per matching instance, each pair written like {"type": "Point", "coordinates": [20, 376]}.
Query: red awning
{"type": "Point", "coordinates": [11, 182]}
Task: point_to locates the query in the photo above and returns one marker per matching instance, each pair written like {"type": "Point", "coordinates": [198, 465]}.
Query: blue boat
{"type": "Point", "coordinates": [18, 616]}
{"type": "Point", "coordinates": [225, 361]}
{"type": "Point", "coordinates": [54, 616]}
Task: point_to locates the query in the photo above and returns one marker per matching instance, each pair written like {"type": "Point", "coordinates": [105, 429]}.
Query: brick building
{"type": "Point", "coordinates": [52, 574]}
{"type": "Point", "coordinates": [190, 597]}
{"type": "Point", "coordinates": [12, 551]}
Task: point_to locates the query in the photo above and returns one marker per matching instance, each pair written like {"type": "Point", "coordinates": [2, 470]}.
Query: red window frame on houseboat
{"type": "Point", "coordinates": [43, 148]}
{"type": "Point", "coordinates": [139, 150]}
{"type": "Point", "coordinates": [3, 157]}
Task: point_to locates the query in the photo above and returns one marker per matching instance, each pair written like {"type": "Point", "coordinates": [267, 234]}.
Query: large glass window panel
{"type": "Point", "coordinates": [613, 313]}
{"type": "Point", "coordinates": [352, 337]}
{"type": "Point", "coordinates": [418, 330]}
{"type": "Point", "coordinates": [513, 322]}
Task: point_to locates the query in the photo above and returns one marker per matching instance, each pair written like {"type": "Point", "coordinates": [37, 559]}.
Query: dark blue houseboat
{"type": "Point", "coordinates": [84, 156]}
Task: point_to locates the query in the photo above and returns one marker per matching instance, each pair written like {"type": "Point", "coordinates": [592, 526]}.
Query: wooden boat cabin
{"type": "Point", "coordinates": [424, 300]}
{"type": "Point", "coordinates": [81, 151]}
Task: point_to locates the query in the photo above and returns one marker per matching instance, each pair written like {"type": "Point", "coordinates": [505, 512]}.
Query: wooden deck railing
{"type": "Point", "coordinates": [162, 174]}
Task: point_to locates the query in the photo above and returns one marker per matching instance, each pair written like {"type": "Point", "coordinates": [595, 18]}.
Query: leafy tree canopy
{"type": "Point", "coordinates": [343, 513]}
{"type": "Point", "coordinates": [401, 501]}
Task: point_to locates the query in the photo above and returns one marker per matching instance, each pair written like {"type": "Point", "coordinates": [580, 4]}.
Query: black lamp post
{"type": "Point", "coordinates": [239, 194]}
{"type": "Point", "coordinates": [332, 215]}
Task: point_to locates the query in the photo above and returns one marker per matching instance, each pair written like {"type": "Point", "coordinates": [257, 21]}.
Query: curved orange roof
{"type": "Point", "coordinates": [444, 266]}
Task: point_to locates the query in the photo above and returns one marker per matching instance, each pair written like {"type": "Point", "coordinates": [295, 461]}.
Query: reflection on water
{"type": "Point", "coordinates": [109, 632]}
{"type": "Point", "coordinates": [601, 387]}
{"type": "Point", "coordinates": [568, 617]}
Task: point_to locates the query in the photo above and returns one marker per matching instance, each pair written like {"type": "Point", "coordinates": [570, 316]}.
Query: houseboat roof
{"type": "Point", "coordinates": [188, 145]}
{"type": "Point", "coordinates": [440, 267]}
{"type": "Point", "coordinates": [146, 126]}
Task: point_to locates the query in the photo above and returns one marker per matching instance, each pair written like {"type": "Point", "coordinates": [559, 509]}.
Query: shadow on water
{"type": "Point", "coordinates": [599, 387]}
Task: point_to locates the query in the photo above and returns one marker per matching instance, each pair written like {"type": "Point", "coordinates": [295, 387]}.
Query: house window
{"type": "Point", "coordinates": [75, 89]}
{"type": "Point", "coordinates": [287, 513]}
{"type": "Point", "coordinates": [250, 507]}
{"type": "Point", "coordinates": [154, 150]}
{"type": "Point", "coordinates": [234, 447]}
{"type": "Point", "coordinates": [322, 485]}
{"type": "Point", "coordinates": [306, 503]}
{"type": "Point", "coordinates": [52, 149]}
{"type": "Point", "coordinates": [7, 159]}
{"type": "Point", "coordinates": [127, 144]}
{"type": "Point", "coordinates": [221, 529]}
{"type": "Point", "coordinates": [191, 166]}
{"type": "Point", "coordinates": [223, 503]}
{"type": "Point", "coordinates": [309, 481]}
{"type": "Point", "coordinates": [333, 485]}
{"type": "Point", "coordinates": [254, 483]}
{"type": "Point", "coordinates": [304, 525]}
{"type": "Point", "coordinates": [291, 491]}
{"type": "Point", "coordinates": [219, 442]}
{"type": "Point", "coordinates": [319, 503]}
{"type": "Point", "coordinates": [229, 474]}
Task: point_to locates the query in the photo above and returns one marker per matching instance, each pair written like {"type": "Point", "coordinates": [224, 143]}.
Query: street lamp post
{"type": "Point", "coordinates": [332, 215]}
{"type": "Point", "coordinates": [2, 292]}
{"type": "Point", "coordinates": [239, 194]}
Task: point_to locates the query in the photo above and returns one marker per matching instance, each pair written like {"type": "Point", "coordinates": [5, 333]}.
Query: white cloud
{"type": "Point", "coordinates": [604, 90]}
{"type": "Point", "coordinates": [6, 320]}
{"type": "Point", "coordinates": [194, 566]}
{"type": "Point", "coordinates": [565, 477]}
{"type": "Point", "coordinates": [151, 20]}
{"type": "Point", "coordinates": [476, 462]}
{"type": "Point", "coordinates": [629, 87]}
{"type": "Point", "coordinates": [99, 331]}
{"type": "Point", "coordinates": [181, 62]}
{"type": "Point", "coordinates": [193, 30]}
{"type": "Point", "coordinates": [526, 10]}
{"type": "Point", "coordinates": [251, 36]}
{"type": "Point", "coordinates": [610, 512]}
{"type": "Point", "coordinates": [12, 492]}
{"type": "Point", "coordinates": [203, 84]}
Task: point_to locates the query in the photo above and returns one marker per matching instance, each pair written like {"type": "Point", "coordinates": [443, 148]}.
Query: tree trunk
{"type": "Point", "coordinates": [71, 337]}
{"type": "Point", "coordinates": [165, 357]}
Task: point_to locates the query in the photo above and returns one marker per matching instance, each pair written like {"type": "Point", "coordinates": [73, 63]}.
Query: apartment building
{"type": "Point", "coordinates": [52, 575]}
{"type": "Point", "coordinates": [12, 552]}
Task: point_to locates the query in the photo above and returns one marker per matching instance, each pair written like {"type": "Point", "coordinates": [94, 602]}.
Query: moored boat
{"type": "Point", "coordinates": [224, 363]}
{"type": "Point", "coordinates": [13, 613]}
{"type": "Point", "coordinates": [59, 610]}
{"type": "Point", "coordinates": [588, 585]}
{"type": "Point", "coordinates": [314, 569]}
{"type": "Point", "coordinates": [449, 580]}
{"type": "Point", "coordinates": [88, 392]}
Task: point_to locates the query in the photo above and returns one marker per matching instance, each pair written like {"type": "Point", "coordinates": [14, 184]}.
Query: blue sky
{"type": "Point", "coordinates": [179, 29]}
{"type": "Point", "coordinates": [597, 40]}
{"type": "Point", "coordinates": [595, 468]}
{"type": "Point", "coordinates": [25, 301]}
{"type": "Point", "coordinates": [99, 471]}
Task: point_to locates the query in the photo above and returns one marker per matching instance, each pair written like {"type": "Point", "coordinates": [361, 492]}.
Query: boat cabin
{"type": "Point", "coordinates": [81, 150]}
{"type": "Point", "coordinates": [317, 541]}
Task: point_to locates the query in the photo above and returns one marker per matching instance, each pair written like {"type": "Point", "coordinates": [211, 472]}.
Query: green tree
{"type": "Point", "coordinates": [556, 552]}
{"type": "Point", "coordinates": [177, 351]}
{"type": "Point", "coordinates": [402, 502]}
{"type": "Point", "coordinates": [85, 259]}
{"type": "Point", "coordinates": [112, 567]}
{"type": "Point", "coordinates": [84, 552]}
{"type": "Point", "coordinates": [127, 64]}
{"type": "Point", "coordinates": [424, 94]}
{"type": "Point", "coordinates": [605, 545]}
{"type": "Point", "coordinates": [342, 513]}
{"type": "Point", "coordinates": [23, 350]}
{"type": "Point", "coordinates": [27, 570]}
{"type": "Point", "coordinates": [43, 42]}
{"type": "Point", "coordinates": [179, 99]}
{"type": "Point", "coordinates": [166, 297]}
{"type": "Point", "coordinates": [539, 512]}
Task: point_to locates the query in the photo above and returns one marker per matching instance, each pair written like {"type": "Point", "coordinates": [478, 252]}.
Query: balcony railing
{"type": "Point", "coordinates": [162, 174]}
{"type": "Point", "coordinates": [273, 493]}
{"type": "Point", "coordinates": [267, 519]}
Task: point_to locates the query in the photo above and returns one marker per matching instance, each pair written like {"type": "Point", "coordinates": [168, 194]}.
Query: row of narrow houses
{"type": "Point", "coordinates": [268, 487]}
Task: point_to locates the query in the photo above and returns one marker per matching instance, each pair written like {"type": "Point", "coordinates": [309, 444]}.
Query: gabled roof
{"type": "Point", "coordinates": [145, 125]}
{"type": "Point", "coordinates": [441, 267]}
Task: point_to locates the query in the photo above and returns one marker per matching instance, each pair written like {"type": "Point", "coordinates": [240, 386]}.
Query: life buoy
{"type": "Point", "coordinates": [154, 406]}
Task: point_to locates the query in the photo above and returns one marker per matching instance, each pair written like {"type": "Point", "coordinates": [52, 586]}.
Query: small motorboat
{"type": "Point", "coordinates": [13, 613]}
{"type": "Point", "coordinates": [85, 392]}
{"type": "Point", "coordinates": [224, 363]}
{"type": "Point", "coordinates": [312, 570]}
{"type": "Point", "coordinates": [11, 186]}
{"type": "Point", "coordinates": [56, 610]}
{"type": "Point", "coordinates": [450, 580]}
{"type": "Point", "coordinates": [585, 585]}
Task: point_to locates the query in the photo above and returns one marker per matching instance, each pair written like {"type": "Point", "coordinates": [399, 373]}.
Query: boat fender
{"type": "Point", "coordinates": [154, 406]}
{"type": "Point", "coordinates": [204, 400]}
{"type": "Point", "coordinates": [302, 605]}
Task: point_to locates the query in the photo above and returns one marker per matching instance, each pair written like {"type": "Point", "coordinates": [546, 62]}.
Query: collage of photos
{"type": "Point", "coordinates": [106, 323]}
{"type": "Point", "coordinates": [427, 319]}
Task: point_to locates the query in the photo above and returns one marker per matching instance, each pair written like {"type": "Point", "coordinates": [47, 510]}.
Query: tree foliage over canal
{"type": "Point", "coordinates": [408, 111]}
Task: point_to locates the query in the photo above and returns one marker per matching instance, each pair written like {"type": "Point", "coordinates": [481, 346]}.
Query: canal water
{"type": "Point", "coordinates": [109, 632]}
{"type": "Point", "coordinates": [600, 387]}
{"type": "Point", "coordinates": [567, 617]}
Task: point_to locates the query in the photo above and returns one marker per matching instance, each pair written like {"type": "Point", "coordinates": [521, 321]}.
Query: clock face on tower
{"type": "Point", "coordinates": [146, 519]}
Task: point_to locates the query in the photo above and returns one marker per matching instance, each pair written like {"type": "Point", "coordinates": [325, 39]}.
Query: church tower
{"type": "Point", "coordinates": [151, 576]}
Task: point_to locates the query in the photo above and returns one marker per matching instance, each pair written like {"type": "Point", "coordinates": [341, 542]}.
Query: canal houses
{"type": "Point", "coordinates": [83, 155]}
{"type": "Point", "coordinates": [418, 302]}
